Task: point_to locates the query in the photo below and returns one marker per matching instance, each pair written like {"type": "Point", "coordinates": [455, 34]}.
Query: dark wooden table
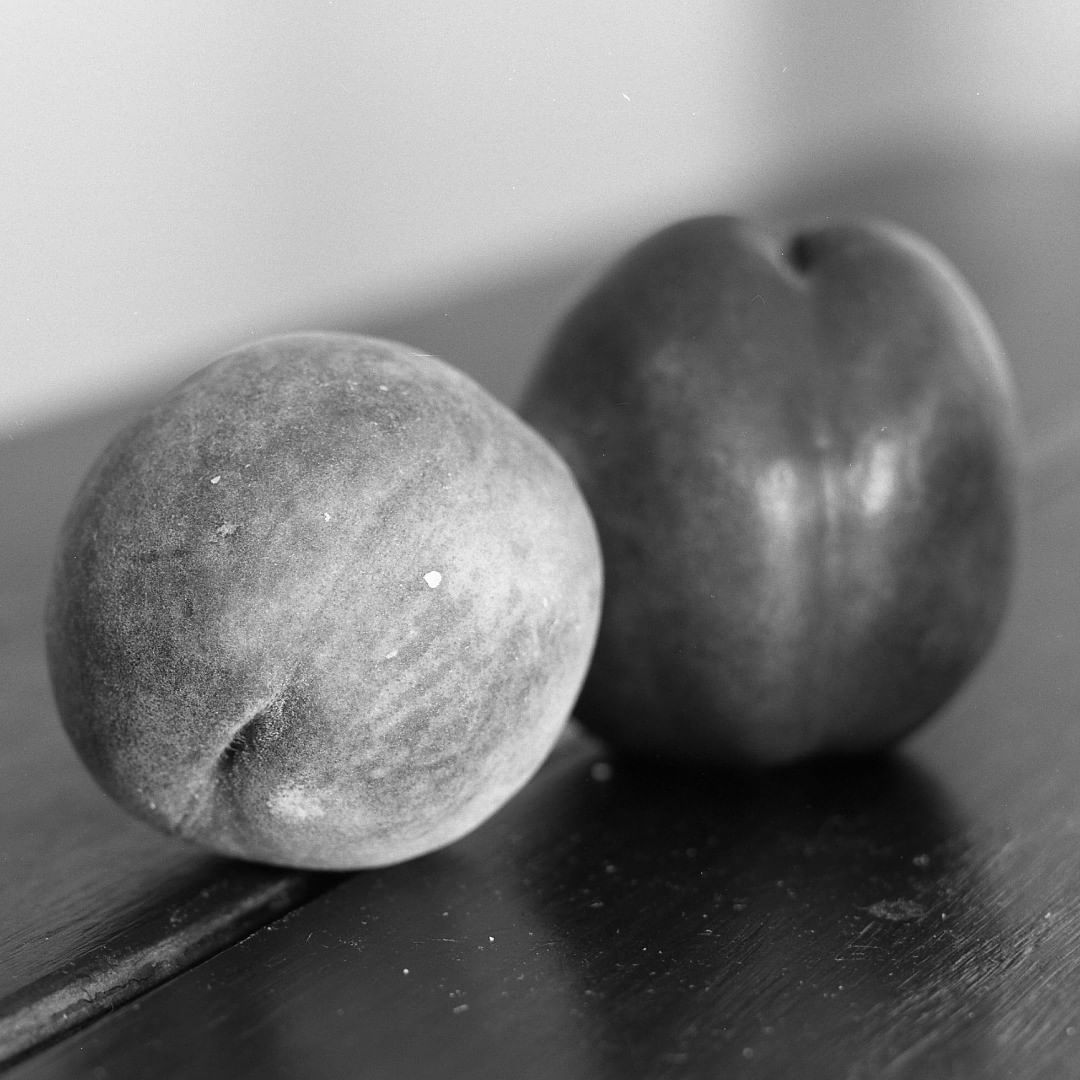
{"type": "Point", "coordinates": [918, 916]}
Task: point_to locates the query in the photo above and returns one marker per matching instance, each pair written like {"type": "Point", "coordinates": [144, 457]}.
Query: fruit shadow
{"type": "Point", "coordinates": [803, 918]}
{"type": "Point", "coordinates": [625, 918]}
{"type": "Point", "coordinates": [622, 917]}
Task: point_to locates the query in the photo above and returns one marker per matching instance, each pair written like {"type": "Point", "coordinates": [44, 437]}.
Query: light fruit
{"type": "Point", "coordinates": [801, 453]}
{"type": "Point", "coordinates": [327, 605]}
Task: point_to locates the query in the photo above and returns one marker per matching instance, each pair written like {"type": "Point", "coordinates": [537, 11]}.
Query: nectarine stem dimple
{"type": "Point", "coordinates": [800, 254]}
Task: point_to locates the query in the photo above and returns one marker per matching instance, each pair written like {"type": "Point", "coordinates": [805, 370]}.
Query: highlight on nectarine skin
{"type": "Point", "coordinates": [328, 604]}
{"type": "Point", "coordinates": [800, 449]}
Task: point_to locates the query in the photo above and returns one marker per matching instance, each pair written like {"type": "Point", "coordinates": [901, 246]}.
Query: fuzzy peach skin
{"type": "Point", "coordinates": [328, 605]}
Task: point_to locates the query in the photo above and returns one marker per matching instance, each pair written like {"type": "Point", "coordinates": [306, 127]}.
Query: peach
{"type": "Point", "coordinates": [328, 605]}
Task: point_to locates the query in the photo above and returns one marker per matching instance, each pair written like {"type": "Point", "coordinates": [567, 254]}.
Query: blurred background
{"type": "Point", "coordinates": [182, 176]}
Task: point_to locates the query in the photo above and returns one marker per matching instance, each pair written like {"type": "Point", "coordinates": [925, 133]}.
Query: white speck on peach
{"type": "Point", "coordinates": [326, 517]}
{"type": "Point", "coordinates": [383, 386]}
{"type": "Point", "coordinates": [433, 578]}
{"type": "Point", "coordinates": [291, 802]}
{"type": "Point", "coordinates": [215, 479]}
{"type": "Point", "coordinates": [391, 654]}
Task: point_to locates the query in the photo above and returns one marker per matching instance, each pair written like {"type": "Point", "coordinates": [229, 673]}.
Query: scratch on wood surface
{"type": "Point", "coordinates": [41, 1012]}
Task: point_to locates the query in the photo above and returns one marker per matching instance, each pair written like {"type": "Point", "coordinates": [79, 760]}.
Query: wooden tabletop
{"type": "Point", "coordinates": [916, 916]}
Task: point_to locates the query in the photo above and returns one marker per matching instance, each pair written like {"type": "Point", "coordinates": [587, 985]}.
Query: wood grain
{"type": "Point", "coordinates": [914, 918]}
{"type": "Point", "coordinates": [96, 908]}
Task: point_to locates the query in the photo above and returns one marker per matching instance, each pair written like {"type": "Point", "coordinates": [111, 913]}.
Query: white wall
{"type": "Point", "coordinates": [180, 174]}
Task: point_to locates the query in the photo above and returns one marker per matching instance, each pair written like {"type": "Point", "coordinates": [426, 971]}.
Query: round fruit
{"type": "Point", "coordinates": [327, 605]}
{"type": "Point", "coordinates": [801, 455]}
